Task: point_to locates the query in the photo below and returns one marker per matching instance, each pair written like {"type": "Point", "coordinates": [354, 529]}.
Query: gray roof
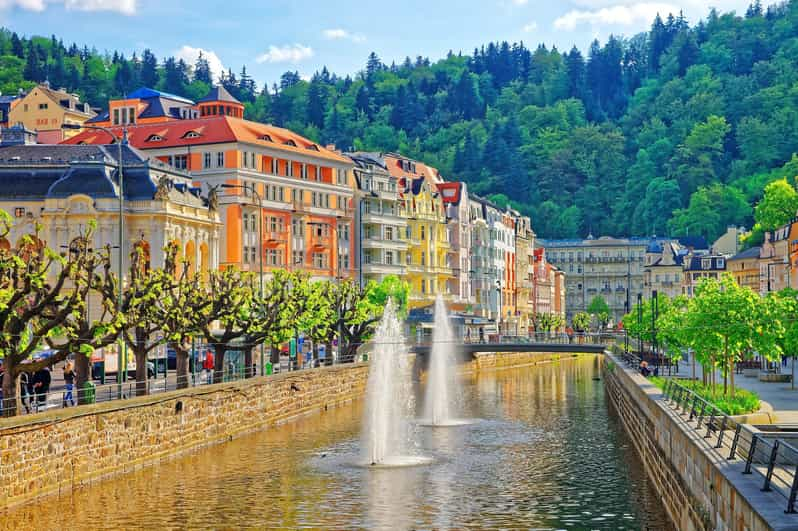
{"type": "Point", "coordinates": [753, 252]}
{"type": "Point", "coordinates": [219, 93]}
{"type": "Point", "coordinates": [35, 172]}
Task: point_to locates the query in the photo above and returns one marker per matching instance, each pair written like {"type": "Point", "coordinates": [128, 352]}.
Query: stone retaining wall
{"type": "Point", "coordinates": [60, 450]}
{"type": "Point", "coordinates": [699, 488]}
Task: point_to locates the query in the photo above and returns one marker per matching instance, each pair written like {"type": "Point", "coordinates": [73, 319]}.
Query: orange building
{"type": "Point", "coordinates": [306, 190]}
{"type": "Point", "coordinates": [146, 106]}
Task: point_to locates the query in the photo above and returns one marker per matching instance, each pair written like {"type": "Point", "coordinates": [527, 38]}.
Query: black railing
{"type": "Point", "coordinates": [772, 459]}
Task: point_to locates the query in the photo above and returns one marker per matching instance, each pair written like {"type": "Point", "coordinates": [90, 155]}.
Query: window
{"type": "Point", "coordinates": [298, 257]}
{"type": "Point", "coordinates": [319, 260]}
{"type": "Point", "coordinates": [706, 263]}
{"type": "Point", "coordinates": [313, 147]}
{"type": "Point", "coordinates": [290, 142]}
{"type": "Point", "coordinates": [341, 176]}
{"type": "Point", "coordinates": [389, 233]}
{"type": "Point", "coordinates": [266, 138]}
{"type": "Point", "coordinates": [19, 212]}
{"type": "Point", "coordinates": [423, 286]}
{"type": "Point", "coordinates": [206, 162]}
{"type": "Point", "coordinates": [220, 159]}
{"type": "Point", "coordinates": [191, 134]}
{"type": "Point", "coordinates": [42, 106]}
{"type": "Point", "coordinates": [423, 236]}
{"type": "Point", "coordinates": [289, 168]}
{"type": "Point", "coordinates": [274, 257]}
{"type": "Point", "coordinates": [721, 263]}
{"type": "Point", "coordinates": [344, 261]}
{"type": "Point", "coordinates": [318, 173]}
{"type": "Point", "coordinates": [180, 162]}
{"type": "Point", "coordinates": [304, 171]}
{"type": "Point", "coordinates": [423, 258]}
{"type": "Point", "coordinates": [298, 228]}
{"type": "Point", "coordinates": [388, 257]}
{"type": "Point", "coordinates": [275, 166]}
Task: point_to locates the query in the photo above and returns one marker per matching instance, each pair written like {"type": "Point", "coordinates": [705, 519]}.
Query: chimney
{"type": "Point", "coordinates": [331, 147]}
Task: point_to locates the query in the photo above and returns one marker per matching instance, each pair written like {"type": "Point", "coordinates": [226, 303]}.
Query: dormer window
{"type": "Point", "coordinates": [290, 143]}
{"type": "Point", "coordinates": [266, 138]}
{"type": "Point", "coordinates": [154, 138]}
{"type": "Point", "coordinates": [313, 147]}
{"type": "Point", "coordinates": [191, 134]}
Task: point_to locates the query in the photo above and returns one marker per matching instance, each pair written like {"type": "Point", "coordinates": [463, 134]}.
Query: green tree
{"type": "Point", "coordinates": [581, 321]}
{"type": "Point", "coordinates": [778, 206]}
{"type": "Point", "coordinates": [600, 310]}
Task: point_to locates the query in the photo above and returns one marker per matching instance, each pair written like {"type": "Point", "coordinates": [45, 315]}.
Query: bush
{"type": "Point", "coordinates": [744, 401]}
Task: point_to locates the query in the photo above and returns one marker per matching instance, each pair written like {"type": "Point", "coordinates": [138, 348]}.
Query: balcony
{"type": "Point", "coordinates": [278, 236]}
{"type": "Point", "coordinates": [378, 243]}
{"type": "Point", "coordinates": [382, 268]}
{"type": "Point", "coordinates": [383, 219]}
{"type": "Point", "coordinates": [320, 241]}
{"type": "Point", "coordinates": [300, 206]}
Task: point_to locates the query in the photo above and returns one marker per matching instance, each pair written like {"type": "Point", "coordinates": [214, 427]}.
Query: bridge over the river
{"type": "Point", "coordinates": [468, 350]}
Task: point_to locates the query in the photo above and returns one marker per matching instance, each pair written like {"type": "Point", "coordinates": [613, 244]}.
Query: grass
{"type": "Point", "coordinates": [744, 401]}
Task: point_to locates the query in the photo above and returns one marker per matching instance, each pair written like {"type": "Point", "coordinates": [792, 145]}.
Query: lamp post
{"type": "Point", "coordinates": [499, 306]}
{"type": "Point", "coordinates": [121, 374]}
{"type": "Point", "coordinates": [260, 250]}
{"type": "Point", "coordinates": [654, 312]}
{"type": "Point", "coordinates": [640, 324]}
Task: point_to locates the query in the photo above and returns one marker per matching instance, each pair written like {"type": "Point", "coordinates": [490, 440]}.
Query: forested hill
{"type": "Point", "coordinates": [671, 131]}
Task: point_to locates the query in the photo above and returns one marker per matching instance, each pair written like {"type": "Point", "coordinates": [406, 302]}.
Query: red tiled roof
{"type": "Point", "coordinates": [211, 130]}
{"type": "Point", "coordinates": [450, 192]}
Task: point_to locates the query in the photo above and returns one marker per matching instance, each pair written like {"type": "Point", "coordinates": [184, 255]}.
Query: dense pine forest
{"type": "Point", "coordinates": [673, 131]}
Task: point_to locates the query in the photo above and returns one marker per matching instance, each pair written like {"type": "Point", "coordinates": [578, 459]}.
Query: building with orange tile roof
{"type": "Point", "coordinates": [306, 189]}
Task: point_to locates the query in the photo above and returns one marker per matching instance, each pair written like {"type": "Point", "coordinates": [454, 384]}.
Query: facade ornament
{"type": "Point", "coordinates": [162, 190]}
{"type": "Point", "coordinates": [213, 199]}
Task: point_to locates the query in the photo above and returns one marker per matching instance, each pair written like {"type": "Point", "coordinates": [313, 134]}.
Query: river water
{"type": "Point", "coordinates": [545, 453]}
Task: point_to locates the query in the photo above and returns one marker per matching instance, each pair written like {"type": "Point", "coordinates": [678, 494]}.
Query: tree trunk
{"type": "Point", "coordinates": [82, 375]}
{"type": "Point", "coordinates": [731, 377]}
{"type": "Point", "coordinates": [141, 371]}
{"type": "Point", "coordinates": [248, 356]}
{"type": "Point", "coordinates": [181, 365]}
{"type": "Point", "coordinates": [11, 405]}
{"type": "Point", "coordinates": [219, 349]}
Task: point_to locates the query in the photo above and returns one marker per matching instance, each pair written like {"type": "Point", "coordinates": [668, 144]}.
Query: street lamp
{"type": "Point", "coordinates": [260, 249]}
{"type": "Point", "coordinates": [499, 306]}
{"type": "Point", "coordinates": [121, 375]}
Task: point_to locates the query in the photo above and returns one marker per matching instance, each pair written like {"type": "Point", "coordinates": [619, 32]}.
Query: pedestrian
{"type": "Point", "coordinates": [69, 383]}
{"type": "Point", "coordinates": [41, 386]}
{"type": "Point", "coordinates": [644, 370]}
{"type": "Point", "coordinates": [481, 334]}
{"type": "Point", "coordinates": [207, 365]}
{"type": "Point", "coordinates": [25, 391]}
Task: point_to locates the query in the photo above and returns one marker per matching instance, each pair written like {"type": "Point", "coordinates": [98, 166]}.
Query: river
{"type": "Point", "coordinates": [543, 453]}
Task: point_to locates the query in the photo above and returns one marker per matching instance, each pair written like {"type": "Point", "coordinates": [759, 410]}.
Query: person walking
{"type": "Point", "coordinates": [25, 391]}
{"type": "Point", "coordinates": [207, 365]}
{"type": "Point", "coordinates": [69, 383]}
{"type": "Point", "coordinates": [41, 386]}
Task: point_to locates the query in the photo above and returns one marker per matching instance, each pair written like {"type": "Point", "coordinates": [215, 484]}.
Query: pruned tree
{"type": "Point", "coordinates": [42, 297]}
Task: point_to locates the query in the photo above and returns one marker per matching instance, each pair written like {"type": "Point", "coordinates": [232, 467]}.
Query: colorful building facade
{"type": "Point", "coordinates": [302, 191]}
{"type": "Point", "coordinates": [45, 110]}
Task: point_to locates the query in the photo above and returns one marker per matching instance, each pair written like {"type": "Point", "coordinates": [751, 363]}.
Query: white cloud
{"type": "Point", "coordinates": [190, 54]}
{"type": "Point", "coordinates": [126, 7]}
{"type": "Point", "coordinates": [290, 53]}
{"type": "Point", "coordinates": [529, 28]}
{"type": "Point", "coordinates": [29, 5]}
{"type": "Point", "coordinates": [338, 34]}
{"type": "Point", "coordinates": [619, 15]}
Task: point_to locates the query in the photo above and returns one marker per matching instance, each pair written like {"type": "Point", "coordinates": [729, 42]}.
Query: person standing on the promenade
{"type": "Point", "coordinates": [41, 386]}
{"type": "Point", "coordinates": [69, 383]}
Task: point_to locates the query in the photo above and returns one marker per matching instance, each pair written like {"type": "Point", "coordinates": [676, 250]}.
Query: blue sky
{"type": "Point", "coordinates": [272, 36]}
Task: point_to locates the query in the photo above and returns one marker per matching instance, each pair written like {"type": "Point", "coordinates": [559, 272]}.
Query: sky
{"type": "Point", "coordinates": [273, 36]}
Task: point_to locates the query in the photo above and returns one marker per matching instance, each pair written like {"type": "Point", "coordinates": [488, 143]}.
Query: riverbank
{"type": "Point", "coordinates": [61, 450]}
{"type": "Point", "coordinates": [698, 486]}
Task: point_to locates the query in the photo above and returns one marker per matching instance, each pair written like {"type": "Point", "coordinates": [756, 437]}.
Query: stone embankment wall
{"type": "Point", "coordinates": [699, 488]}
{"type": "Point", "coordinates": [60, 450]}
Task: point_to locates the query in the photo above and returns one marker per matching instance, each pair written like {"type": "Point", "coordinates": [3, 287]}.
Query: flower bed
{"type": "Point", "coordinates": [743, 401]}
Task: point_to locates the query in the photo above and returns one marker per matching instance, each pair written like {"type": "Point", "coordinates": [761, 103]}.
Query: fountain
{"type": "Point", "coordinates": [442, 386]}
{"type": "Point", "coordinates": [389, 398]}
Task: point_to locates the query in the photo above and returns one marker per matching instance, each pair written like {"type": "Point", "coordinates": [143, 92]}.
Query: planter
{"type": "Point", "coordinates": [774, 377]}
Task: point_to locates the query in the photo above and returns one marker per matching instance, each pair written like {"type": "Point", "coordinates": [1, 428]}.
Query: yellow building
{"type": "Point", "coordinates": [429, 266]}
{"type": "Point", "coordinates": [744, 267]}
{"type": "Point", "coordinates": [45, 110]}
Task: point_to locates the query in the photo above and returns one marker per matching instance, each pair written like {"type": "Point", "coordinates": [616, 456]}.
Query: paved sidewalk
{"type": "Point", "coordinates": [779, 395]}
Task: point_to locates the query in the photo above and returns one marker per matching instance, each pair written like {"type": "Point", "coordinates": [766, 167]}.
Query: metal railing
{"type": "Point", "coordinates": [773, 460]}
{"type": "Point", "coordinates": [33, 402]}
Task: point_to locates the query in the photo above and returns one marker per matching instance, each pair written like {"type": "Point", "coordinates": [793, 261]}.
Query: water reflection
{"type": "Point", "coordinates": [544, 454]}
